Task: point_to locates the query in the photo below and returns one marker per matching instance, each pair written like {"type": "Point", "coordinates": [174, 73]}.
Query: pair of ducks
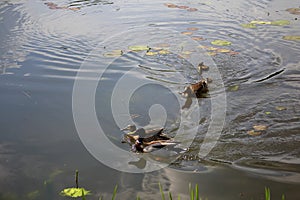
{"type": "Point", "coordinates": [145, 144]}
{"type": "Point", "coordinates": [157, 139]}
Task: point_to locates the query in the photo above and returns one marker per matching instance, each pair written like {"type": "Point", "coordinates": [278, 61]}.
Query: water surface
{"type": "Point", "coordinates": [43, 45]}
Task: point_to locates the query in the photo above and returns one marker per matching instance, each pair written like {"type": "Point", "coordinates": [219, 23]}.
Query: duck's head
{"type": "Point", "coordinates": [130, 139]}
{"type": "Point", "coordinates": [130, 128]}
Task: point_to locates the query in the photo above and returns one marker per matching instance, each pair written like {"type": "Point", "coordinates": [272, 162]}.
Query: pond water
{"type": "Point", "coordinates": [66, 64]}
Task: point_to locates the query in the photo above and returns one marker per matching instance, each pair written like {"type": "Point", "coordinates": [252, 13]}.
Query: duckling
{"type": "Point", "coordinates": [197, 89]}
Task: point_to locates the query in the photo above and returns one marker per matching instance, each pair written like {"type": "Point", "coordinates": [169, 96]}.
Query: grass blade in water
{"type": "Point", "coordinates": [267, 193]}
{"type": "Point", "coordinates": [170, 196]}
{"type": "Point", "coordinates": [196, 192]}
{"type": "Point", "coordinates": [191, 190]}
{"type": "Point", "coordinates": [161, 192]}
{"type": "Point", "coordinates": [115, 193]}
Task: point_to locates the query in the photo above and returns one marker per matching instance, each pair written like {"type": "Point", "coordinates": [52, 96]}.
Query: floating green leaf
{"type": "Point", "coordinates": [248, 25]}
{"type": "Point", "coordinates": [267, 112]}
{"type": "Point", "coordinates": [233, 88]}
{"type": "Point", "coordinates": [211, 53]}
{"type": "Point", "coordinates": [260, 127]}
{"type": "Point", "coordinates": [223, 50]}
{"type": "Point", "coordinates": [139, 48]}
{"type": "Point", "coordinates": [192, 9]}
{"type": "Point", "coordinates": [186, 52]}
{"type": "Point", "coordinates": [257, 22]}
{"type": "Point", "coordinates": [75, 192]}
{"type": "Point", "coordinates": [170, 5]}
{"type": "Point", "coordinates": [163, 52]}
{"type": "Point", "coordinates": [280, 22]}
{"type": "Point", "coordinates": [114, 53]}
{"type": "Point", "coordinates": [221, 42]}
{"type": "Point", "coordinates": [280, 108]}
{"type": "Point", "coordinates": [253, 133]}
{"type": "Point", "coordinates": [192, 29]}
{"type": "Point", "coordinates": [151, 53]}
{"type": "Point", "coordinates": [291, 37]}
{"type": "Point", "coordinates": [260, 22]}
{"type": "Point", "coordinates": [187, 33]}
{"type": "Point", "coordinates": [197, 38]}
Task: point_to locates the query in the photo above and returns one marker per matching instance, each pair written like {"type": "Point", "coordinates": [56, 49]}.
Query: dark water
{"type": "Point", "coordinates": [45, 45]}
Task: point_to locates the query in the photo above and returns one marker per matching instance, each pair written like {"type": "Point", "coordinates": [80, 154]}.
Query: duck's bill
{"type": "Point", "coordinates": [125, 129]}
{"type": "Point", "coordinates": [130, 127]}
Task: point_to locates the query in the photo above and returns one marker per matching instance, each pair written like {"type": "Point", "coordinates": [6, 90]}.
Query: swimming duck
{"type": "Point", "coordinates": [140, 131]}
{"type": "Point", "coordinates": [147, 144]}
{"type": "Point", "coordinates": [197, 89]}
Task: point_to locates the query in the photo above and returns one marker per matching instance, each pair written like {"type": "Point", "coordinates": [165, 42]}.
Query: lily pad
{"type": "Point", "coordinates": [209, 48]}
{"type": "Point", "coordinates": [260, 127]}
{"type": "Point", "coordinates": [221, 42]}
{"type": "Point", "coordinates": [74, 8]}
{"type": "Point", "coordinates": [163, 52]}
{"type": "Point", "coordinates": [75, 192]}
{"type": "Point", "coordinates": [260, 22]}
{"type": "Point", "coordinates": [187, 33]}
{"type": "Point", "coordinates": [291, 37]}
{"type": "Point", "coordinates": [294, 11]}
{"type": "Point", "coordinates": [164, 45]}
{"type": "Point", "coordinates": [211, 53]}
{"type": "Point", "coordinates": [280, 22]}
{"type": "Point", "coordinates": [267, 112]}
{"type": "Point", "coordinates": [248, 25]}
{"type": "Point", "coordinates": [254, 133]}
{"type": "Point", "coordinates": [186, 52]}
{"type": "Point", "coordinates": [192, 29]}
{"type": "Point", "coordinates": [197, 38]}
{"type": "Point", "coordinates": [223, 50]}
{"type": "Point", "coordinates": [114, 53]}
{"type": "Point", "coordinates": [150, 53]}
{"type": "Point", "coordinates": [139, 48]}
{"type": "Point", "coordinates": [170, 5]}
{"type": "Point", "coordinates": [280, 108]}
{"type": "Point", "coordinates": [234, 88]}
{"type": "Point", "coordinates": [192, 9]}
{"type": "Point", "coordinates": [182, 7]}
{"type": "Point", "coordinates": [233, 53]}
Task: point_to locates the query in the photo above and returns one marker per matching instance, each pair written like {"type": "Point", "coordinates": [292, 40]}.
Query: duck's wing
{"type": "Point", "coordinates": [157, 145]}
{"type": "Point", "coordinates": [156, 137]}
{"type": "Point", "coordinates": [152, 131]}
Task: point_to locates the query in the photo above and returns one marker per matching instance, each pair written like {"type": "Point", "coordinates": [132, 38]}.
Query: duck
{"type": "Point", "coordinates": [147, 144]}
{"type": "Point", "coordinates": [140, 131]}
{"type": "Point", "coordinates": [196, 89]}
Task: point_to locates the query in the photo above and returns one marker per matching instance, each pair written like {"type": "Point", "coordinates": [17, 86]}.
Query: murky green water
{"type": "Point", "coordinates": [44, 44]}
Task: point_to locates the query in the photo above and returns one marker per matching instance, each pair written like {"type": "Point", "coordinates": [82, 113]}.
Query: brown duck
{"type": "Point", "coordinates": [196, 89]}
{"type": "Point", "coordinates": [147, 144]}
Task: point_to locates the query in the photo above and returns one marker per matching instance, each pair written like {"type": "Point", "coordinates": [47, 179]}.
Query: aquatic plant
{"type": "Point", "coordinates": [268, 194]}
{"type": "Point", "coordinates": [78, 192]}
{"type": "Point", "coordinates": [75, 191]}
